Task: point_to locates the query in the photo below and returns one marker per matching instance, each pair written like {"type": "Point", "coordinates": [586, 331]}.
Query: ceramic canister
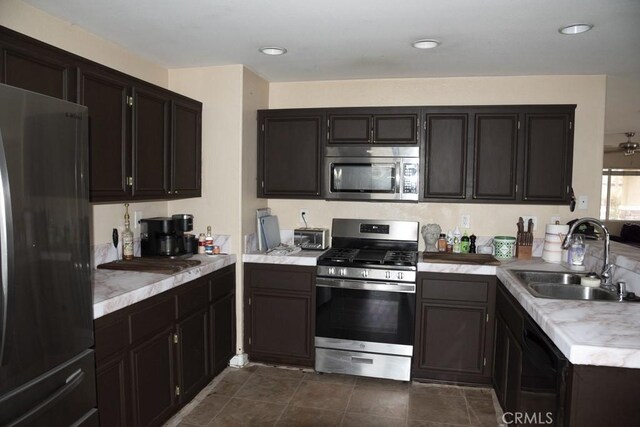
{"type": "Point", "coordinates": [504, 247]}
{"type": "Point", "coordinates": [554, 235]}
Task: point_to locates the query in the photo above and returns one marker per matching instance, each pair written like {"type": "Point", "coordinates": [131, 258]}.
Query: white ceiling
{"type": "Point", "coordinates": [354, 39]}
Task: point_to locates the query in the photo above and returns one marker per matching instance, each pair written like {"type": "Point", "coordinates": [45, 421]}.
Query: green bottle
{"type": "Point", "coordinates": [464, 244]}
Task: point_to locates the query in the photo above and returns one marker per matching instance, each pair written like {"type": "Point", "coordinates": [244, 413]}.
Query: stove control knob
{"type": "Point", "coordinates": [400, 276]}
{"type": "Point", "coordinates": [387, 275]}
{"type": "Point", "coordinates": [365, 273]}
{"type": "Point", "coordinates": [332, 271]}
{"type": "Point", "coordinates": [343, 271]}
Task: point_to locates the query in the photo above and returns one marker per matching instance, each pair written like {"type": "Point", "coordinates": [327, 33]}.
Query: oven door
{"type": "Point", "coordinates": [378, 315]}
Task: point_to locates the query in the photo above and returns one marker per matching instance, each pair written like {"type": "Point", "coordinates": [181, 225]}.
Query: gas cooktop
{"type": "Point", "coordinates": [356, 257]}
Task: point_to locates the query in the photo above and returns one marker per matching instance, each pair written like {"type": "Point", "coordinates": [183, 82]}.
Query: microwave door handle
{"type": "Point", "coordinates": [398, 171]}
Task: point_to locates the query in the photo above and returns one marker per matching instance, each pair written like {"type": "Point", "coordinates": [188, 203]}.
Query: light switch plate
{"type": "Point", "coordinates": [137, 216]}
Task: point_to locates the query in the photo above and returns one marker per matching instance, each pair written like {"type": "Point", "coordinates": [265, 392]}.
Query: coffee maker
{"type": "Point", "coordinates": [168, 237]}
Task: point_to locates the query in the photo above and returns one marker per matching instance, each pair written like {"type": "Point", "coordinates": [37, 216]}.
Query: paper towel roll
{"type": "Point", "coordinates": [554, 235]}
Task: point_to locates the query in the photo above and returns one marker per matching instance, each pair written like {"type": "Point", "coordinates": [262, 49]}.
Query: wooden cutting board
{"type": "Point", "coordinates": [450, 258]}
{"type": "Point", "coordinates": [151, 265]}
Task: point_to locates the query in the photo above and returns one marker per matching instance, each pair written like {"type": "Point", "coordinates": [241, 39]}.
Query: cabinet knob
{"type": "Point", "coordinates": [175, 192]}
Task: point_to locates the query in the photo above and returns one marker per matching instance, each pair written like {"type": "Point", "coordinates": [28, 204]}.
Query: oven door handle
{"type": "Point", "coordinates": [364, 285]}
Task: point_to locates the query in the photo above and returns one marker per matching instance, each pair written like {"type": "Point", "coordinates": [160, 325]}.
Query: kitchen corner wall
{"type": "Point", "coordinates": [588, 92]}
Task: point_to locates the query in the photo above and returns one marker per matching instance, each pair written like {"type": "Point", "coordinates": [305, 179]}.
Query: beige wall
{"type": "Point", "coordinates": [619, 160]}
{"type": "Point", "coordinates": [588, 92]}
{"type": "Point", "coordinates": [35, 23]}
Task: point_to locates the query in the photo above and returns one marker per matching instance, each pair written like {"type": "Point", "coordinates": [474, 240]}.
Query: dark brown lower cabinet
{"type": "Point", "coordinates": [593, 396]}
{"type": "Point", "coordinates": [280, 314]}
{"type": "Point", "coordinates": [454, 336]}
{"type": "Point", "coordinates": [154, 356]}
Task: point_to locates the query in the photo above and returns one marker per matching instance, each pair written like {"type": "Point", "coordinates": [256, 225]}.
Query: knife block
{"type": "Point", "coordinates": [523, 251]}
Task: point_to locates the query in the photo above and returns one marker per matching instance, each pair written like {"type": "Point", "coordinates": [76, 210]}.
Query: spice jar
{"type": "Point", "coordinates": [442, 243]}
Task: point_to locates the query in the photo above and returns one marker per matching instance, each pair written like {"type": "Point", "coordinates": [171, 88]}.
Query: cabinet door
{"type": "Point", "coordinates": [495, 156]}
{"type": "Point", "coordinates": [152, 377]}
{"type": "Point", "coordinates": [350, 129]}
{"type": "Point", "coordinates": [186, 149]}
{"type": "Point", "coordinates": [445, 156]}
{"type": "Point", "coordinates": [224, 334]}
{"type": "Point", "coordinates": [280, 328]}
{"type": "Point", "coordinates": [112, 388]}
{"type": "Point", "coordinates": [548, 157]}
{"type": "Point", "coordinates": [289, 156]}
{"type": "Point", "coordinates": [500, 360]}
{"type": "Point", "coordinates": [395, 129]}
{"type": "Point", "coordinates": [38, 70]}
{"type": "Point", "coordinates": [109, 146]}
{"type": "Point", "coordinates": [150, 130]}
{"type": "Point", "coordinates": [193, 354]}
{"type": "Point", "coordinates": [452, 338]}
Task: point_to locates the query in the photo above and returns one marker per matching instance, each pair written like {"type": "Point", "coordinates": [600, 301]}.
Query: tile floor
{"type": "Point", "coordinates": [263, 395]}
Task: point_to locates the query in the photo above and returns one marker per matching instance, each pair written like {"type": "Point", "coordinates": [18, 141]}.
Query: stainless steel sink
{"type": "Point", "coordinates": [556, 285]}
{"type": "Point", "coordinates": [576, 292]}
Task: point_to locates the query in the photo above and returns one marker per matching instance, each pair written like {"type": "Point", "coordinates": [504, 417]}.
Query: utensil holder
{"type": "Point", "coordinates": [523, 251]}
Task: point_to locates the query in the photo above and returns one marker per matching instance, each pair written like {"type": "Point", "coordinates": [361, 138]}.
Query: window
{"type": "Point", "coordinates": [620, 194]}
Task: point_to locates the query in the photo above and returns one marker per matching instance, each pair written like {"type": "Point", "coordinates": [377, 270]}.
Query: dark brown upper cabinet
{"type": "Point", "coordinates": [445, 154]}
{"type": "Point", "coordinates": [548, 156]}
{"type": "Point", "coordinates": [495, 156]}
{"type": "Point", "coordinates": [35, 68]}
{"type": "Point", "coordinates": [144, 141]}
{"type": "Point", "coordinates": [289, 153]}
{"type": "Point", "coordinates": [498, 154]}
{"type": "Point", "coordinates": [373, 126]}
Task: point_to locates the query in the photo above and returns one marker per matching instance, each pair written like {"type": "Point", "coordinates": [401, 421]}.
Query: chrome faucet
{"type": "Point", "coordinates": [605, 275]}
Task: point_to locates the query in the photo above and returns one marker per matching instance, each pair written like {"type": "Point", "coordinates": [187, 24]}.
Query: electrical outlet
{"type": "Point", "coordinates": [137, 216]}
{"type": "Point", "coordinates": [526, 221]}
{"type": "Point", "coordinates": [303, 215]}
{"type": "Point", "coordinates": [465, 221]}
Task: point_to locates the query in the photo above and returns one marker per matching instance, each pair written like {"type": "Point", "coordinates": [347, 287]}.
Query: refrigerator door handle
{"type": "Point", "coordinates": [70, 384]}
{"type": "Point", "coordinates": [6, 242]}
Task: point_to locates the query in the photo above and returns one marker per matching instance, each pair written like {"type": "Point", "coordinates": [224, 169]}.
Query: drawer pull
{"type": "Point", "coordinates": [361, 360]}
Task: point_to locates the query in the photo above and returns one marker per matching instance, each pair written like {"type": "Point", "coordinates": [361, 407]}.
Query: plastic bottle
{"type": "Point", "coordinates": [201, 243]}
{"type": "Point", "coordinates": [577, 250]}
{"type": "Point", "coordinates": [208, 247]}
{"type": "Point", "coordinates": [464, 244]}
{"type": "Point", "coordinates": [456, 241]}
{"type": "Point", "coordinates": [442, 243]}
{"type": "Point", "coordinates": [127, 236]}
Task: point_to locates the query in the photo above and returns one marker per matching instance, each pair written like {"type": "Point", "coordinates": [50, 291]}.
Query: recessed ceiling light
{"type": "Point", "coordinates": [273, 50]}
{"type": "Point", "coordinates": [425, 44]}
{"type": "Point", "coordinates": [575, 29]}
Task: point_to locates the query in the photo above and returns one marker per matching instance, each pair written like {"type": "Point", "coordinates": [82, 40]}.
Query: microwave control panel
{"type": "Point", "coordinates": [410, 178]}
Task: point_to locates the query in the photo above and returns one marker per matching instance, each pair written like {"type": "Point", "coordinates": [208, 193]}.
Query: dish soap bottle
{"type": "Point", "coordinates": [464, 244]}
{"type": "Point", "coordinates": [456, 241]}
{"type": "Point", "coordinates": [127, 236]}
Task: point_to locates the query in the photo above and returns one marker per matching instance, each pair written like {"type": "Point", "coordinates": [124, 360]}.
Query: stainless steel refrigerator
{"type": "Point", "coordinates": [46, 321]}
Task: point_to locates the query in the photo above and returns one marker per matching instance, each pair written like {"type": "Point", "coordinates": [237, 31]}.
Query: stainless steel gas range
{"type": "Point", "coordinates": [365, 299]}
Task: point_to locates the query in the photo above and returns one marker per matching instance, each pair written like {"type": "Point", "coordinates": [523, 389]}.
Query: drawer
{"type": "Point", "coordinates": [223, 284]}
{"type": "Point", "coordinates": [112, 338]}
{"type": "Point", "coordinates": [286, 278]}
{"type": "Point", "coordinates": [455, 290]}
{"type": "Point", "coordinates": [153, 319]}
{"type": "Point", "coordinates": [196, 296]}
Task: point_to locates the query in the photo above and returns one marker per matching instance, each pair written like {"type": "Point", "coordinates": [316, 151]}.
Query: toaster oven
{"type": "Point", "coordinates": [311, 238]}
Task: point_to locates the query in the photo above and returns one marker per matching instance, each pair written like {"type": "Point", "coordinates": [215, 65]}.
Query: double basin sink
{"type": "Point", "coordinates": [555, 285]}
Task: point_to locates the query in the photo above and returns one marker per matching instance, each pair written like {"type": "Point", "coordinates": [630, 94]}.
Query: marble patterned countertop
{"type": "Point", "coordinates": [115, 289]}
{"type": "Point", "coordinates": [304, 257]}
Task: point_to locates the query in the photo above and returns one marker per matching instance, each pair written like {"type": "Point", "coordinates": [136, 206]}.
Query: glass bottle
{"type": "Point", "coordinates": [442, 243]}
{"type": "Point", "coordinates": [127, 236]}
{"type": "Point", "coordinates": [208, 245]}
{"type": "Point", "coordinates": [201, 243]}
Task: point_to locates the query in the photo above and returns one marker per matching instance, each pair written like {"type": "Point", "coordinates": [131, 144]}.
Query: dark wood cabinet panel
{"type": "Point", "coordinates": [350, 129]}
{"type": "Point", "coordinates": [33, 69]}
{"type": "Point", "coordinates": [454, 328]}
{"type": "Point", "coordinates": [153, 386]}
{"type": "Point", "coordinates": [548, 154]}
{"type": "Point", "coordinates": [280, 320]}
{"type": "Point", "coordinates": [452, 338]}
{"type": "Point", "coordinates": [106, 97]}
{"type": "Point", "coordinates": [395, 128]}
{"type": "Point", "coordinates": [224, 337]}
{"type": "Point", "coordinates": [150, 130]}
{"type": "Point", "coordinates": [193, 354]}
{"type": "Point", "coordinates": [111, 383]}
{"type": "Point", "coordinates": [289, 154]}
{"type": "Point", "coordinates": [186, 149]}
{"type": "Point", "coordinates": [495, 156]}
{"type": "Point", "coordinates": [445, 154]}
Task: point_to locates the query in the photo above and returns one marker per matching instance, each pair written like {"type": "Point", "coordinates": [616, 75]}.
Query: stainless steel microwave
{"type": "Point", "coordinates": [373, 176]}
